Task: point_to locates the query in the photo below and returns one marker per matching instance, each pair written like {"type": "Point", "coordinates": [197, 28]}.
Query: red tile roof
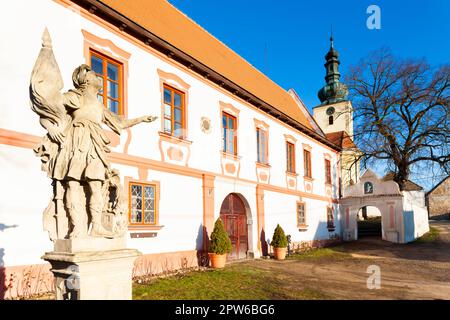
{"type": "Point", "coordinates": [341, 139]}
{"type": "Point", "coordinates": [409, 185]}
{"type": "Point", "coordinates": [167, 22]}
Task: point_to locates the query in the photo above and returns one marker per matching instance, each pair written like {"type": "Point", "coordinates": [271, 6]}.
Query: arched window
{"type": "Point", "coordinates": [368, 187]}
{"type": "Point", "coordinates": [330, 120]}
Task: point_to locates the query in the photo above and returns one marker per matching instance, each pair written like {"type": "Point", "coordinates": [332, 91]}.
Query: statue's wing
{"type": "Point", "coordinates": [46, 84]}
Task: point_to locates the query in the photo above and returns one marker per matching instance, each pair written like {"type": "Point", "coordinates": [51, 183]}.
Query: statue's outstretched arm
{"type": "Point", "coordinates": [127, 123]}
{"type": "Point", "coordinates": [117, 123]}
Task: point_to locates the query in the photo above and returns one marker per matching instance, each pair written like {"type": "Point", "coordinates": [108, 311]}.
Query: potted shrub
{"type": "Point", "coordinates": [279, 243]}
{"type": "Point", "coordinates": [219, 246]}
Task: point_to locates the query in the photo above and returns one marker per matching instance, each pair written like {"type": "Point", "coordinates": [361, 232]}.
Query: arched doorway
{"type": "Point", "coordinates": [369, 222]}
{"type": "Point", "coordinates": [234, 216]}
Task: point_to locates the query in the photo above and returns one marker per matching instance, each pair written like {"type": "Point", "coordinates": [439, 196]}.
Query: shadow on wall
{"type": "Point", "coordinates": [322, 237]}
{"type": "Point", "coordinates": [202, 245]}
{"type": "Point", "coordinates": [325, 234]}
{"type": "Point", "coordinates": [264, 243]}
{"type": "Point", "coordinates": [3, 287]}
{"type": "Point", "coordinates": [2, 275]}
{"type": "Point", "coordinates": [3, 227]}
{"type": "Point", "coordinates": [409, 226]}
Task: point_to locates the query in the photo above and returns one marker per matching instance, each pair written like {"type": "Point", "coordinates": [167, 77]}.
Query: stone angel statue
{"type": "Point", "coordinates": [87, 196]}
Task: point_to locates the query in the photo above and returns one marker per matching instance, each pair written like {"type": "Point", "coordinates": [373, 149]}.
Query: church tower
{"type": "Point", "coordinates": [335, 117]}
{"type": "Point", "coordinates": [334, 114]}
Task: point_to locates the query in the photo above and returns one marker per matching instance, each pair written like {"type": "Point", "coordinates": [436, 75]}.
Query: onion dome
{"type": "Point", "coordinates": [334, 90]}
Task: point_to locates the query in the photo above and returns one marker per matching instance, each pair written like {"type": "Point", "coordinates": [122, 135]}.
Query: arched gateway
{"type": "Point", "coordinates": [404, 216]}
{"type": "Point", "coordinates": [234, 216]}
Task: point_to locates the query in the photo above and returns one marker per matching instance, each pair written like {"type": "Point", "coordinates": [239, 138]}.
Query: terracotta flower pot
{"type": "Point", "coordinates": [217, 260]}
{"type": "Point", "coordinates": [279, 253]}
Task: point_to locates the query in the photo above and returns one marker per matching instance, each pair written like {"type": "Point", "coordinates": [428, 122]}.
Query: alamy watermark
{"type": "Point", "coordinates": [373, 22]}
{"type": "Point", "coordinates": [374, 280]}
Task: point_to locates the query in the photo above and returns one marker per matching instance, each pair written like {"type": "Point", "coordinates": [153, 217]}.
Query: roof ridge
{"type": "Point", "coordinates": [438, 184]}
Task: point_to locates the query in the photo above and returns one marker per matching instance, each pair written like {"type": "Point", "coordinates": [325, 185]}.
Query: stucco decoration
{"type": "Point", "coordinates": [87, 197]}
{"type": "Point", "coordinates": [205, 125]}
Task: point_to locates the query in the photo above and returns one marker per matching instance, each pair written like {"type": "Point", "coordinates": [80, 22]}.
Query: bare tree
{"type": "Point", "coordinates": [401, 113]}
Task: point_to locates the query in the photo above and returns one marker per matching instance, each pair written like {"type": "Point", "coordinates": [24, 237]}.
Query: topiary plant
{"type": "Point", "coordinates": [279, 239]}
{"type": "Point", "coordinates": [220, 242]}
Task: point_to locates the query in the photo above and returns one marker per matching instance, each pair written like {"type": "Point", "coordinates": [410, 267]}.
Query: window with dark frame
{"type": "Point", "coordinates": [142, 204]}
{"type": "Point", "coordinates": [229, 139]}
{"type": "Point", "coordinates": [261, 138]}
{"type": "Point", "coordinates": [327, 171]}
{"type": "Point", "coordinates": [290, 157]}
{"type": "Point", "coordinates": [174, 112]}
{"type": "Point", "coordinates": [110, 71]}
{"type": "Point", "coordinates": [330, 120]}
{"type": "Point", "coordinates": [307, 163]}
{"type": "Point", "coordinates": [301, 214]}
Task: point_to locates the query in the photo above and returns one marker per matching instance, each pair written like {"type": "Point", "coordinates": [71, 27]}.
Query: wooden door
{"type": "Point", "coordinates": [234, 217]}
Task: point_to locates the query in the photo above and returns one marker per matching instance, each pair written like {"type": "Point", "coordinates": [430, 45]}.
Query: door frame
{"type": "Point", "coordinates": [246, 216]}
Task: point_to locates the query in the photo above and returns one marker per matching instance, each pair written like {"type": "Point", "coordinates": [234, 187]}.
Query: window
{"type": "Point", "coordinates": [301, 214]}
{"type": "Point", "coordinates": [261, 138]}
{"type": "Point", "coordinates": [174, 119]}
{"type": "Point", "coordinates": [110, 71]}
{"type": "Point", "coordinates": [307, 163]}
{"type": "Point", "coordinates": [330, 120]}
{"type": "Point", "coordinates": [327, 171]}
{"type": "Point", "coordinates": [229, 144]}
{"type": "Point", "coordinates": [290, 157]}
{"type": "Point", "coordinates": [330, 218]}
{"type": "Point", "coordinates": [142, 202]}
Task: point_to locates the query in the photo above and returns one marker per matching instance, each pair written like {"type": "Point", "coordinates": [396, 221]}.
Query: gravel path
{"type": "Point", "coordinates": [408, 271]}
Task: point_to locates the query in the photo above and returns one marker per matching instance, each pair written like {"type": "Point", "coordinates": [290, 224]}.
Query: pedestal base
{"type": "Point", "coordinates": [92, 275]}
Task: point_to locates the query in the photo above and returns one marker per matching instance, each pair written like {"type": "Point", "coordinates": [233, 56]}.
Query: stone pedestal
{"type": "Point", "coordinates": [92, 269]}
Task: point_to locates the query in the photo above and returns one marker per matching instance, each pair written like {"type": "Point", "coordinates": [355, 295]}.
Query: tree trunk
{"type": "Point", "coordinates": [402, 175]}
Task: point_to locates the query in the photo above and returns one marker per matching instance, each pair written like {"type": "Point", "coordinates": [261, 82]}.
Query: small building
{"type": "Point", "coordinates": [403, 213]}
{"type": "Point", "coordinates": [438, 200]}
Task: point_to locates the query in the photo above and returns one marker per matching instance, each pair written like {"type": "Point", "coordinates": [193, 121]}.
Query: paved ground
{"type": "Point", "coordinates": [408, 271]}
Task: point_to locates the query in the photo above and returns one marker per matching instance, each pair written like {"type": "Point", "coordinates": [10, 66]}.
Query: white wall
{"type": "Point", "coordinates": [342, 118]}
{"type": "Point", "coordinates": [414, 201]}
{"type": "Point", "coordinates": [25, 193]}
{"type": "Point", "coordinates": [282, 209]}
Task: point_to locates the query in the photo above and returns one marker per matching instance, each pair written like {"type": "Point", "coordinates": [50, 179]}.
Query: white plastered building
{"type": "Point", "coordinates": [230, 143]}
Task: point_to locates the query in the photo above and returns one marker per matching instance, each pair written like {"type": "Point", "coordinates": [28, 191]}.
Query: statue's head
{"type": "Point", "coordinates": [84, 77]}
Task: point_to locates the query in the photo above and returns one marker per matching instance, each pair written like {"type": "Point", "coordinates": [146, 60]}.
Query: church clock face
{"type": "Point", "coordinates": [330, 111]}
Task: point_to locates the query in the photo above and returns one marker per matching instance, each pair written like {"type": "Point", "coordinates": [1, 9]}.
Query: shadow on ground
{"type": "Point", "coordinates": [438, 251]}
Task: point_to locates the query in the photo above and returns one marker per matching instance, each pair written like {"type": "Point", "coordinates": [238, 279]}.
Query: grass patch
{"type": "Point", "coordinates": [321, 253]}
{"type": "Point", "coordinates": [239, 282]}
{"type": "Point", "coordinates": [430, 236]}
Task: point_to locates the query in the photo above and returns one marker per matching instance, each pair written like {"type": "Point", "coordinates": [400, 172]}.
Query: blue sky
{"type": "Point", "coordinates": [287, 39]}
